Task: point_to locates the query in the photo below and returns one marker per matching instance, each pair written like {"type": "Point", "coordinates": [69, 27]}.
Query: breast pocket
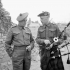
{"type": "Point", "coordinates": [52, 32]}
{"type": "Point", "coordinates": [16, 34]}
{"type": "Point", "coordinates": [42, 33]}
{"type": "Point", "coordinates": [27, 35]}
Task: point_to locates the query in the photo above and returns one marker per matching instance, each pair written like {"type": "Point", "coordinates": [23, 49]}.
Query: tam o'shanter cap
{"type": "Point", "coordinates": [44, 14]}
{"type": "Point", "coordinates": [22, 16]}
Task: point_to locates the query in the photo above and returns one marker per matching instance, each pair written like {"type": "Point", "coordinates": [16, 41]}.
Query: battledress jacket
{"type": "Point", "coordinates": [18, 37]}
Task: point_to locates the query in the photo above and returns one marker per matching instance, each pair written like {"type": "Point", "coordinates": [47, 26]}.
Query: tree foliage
{"type": "Point", "coordinates": [5, 19]}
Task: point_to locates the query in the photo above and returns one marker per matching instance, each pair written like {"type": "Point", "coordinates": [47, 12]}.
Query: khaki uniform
{"type": "Point", "coordinates": [20, 38]}
{"type": "Point", "coordinates": [47, 32]}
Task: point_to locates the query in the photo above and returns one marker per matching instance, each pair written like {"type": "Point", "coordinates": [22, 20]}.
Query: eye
{"type": "Point", "coordinates": [41, 18]}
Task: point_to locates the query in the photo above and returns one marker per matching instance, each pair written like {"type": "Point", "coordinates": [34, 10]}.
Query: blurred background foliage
{"type": "Point", "coordinates": [5, 19]}
{"type": "Point", "coordinates": [6, 22]}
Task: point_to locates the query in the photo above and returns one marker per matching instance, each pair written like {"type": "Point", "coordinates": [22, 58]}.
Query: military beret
{"type": "Point", "coordinates": [22, 16]}
{"type": "Point", "coordinates": [44, 14]}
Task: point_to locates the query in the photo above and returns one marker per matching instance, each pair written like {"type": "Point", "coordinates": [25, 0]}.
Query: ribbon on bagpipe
{"type": "Point", "coordinates": [56, 40]}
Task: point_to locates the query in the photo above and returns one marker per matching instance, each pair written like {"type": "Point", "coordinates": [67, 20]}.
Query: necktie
{"type": "Point", "coordinates": [22, 27]}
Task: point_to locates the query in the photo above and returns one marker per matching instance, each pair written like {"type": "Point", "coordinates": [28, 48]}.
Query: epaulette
{"type": "Point", "coordinates": [41, 26]}
{"type": "Point", "coordinates": [27, 29]}
{"type": "Point", "coordinates": [55, 24]}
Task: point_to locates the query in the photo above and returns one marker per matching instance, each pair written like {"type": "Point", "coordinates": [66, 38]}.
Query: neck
{"type": "Point", "coordinates": [20, 27]}
{"type": "Point", "coordinates": [21, 22]}
{"type": "Point", "coordinates": [46, 23]}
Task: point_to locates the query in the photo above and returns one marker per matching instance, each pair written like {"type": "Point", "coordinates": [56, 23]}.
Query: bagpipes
{"type": "Point", "coordinates": [55, 50]}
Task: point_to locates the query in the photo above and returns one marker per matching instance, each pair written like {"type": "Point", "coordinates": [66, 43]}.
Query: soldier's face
{"type": "Point", "coordinates": [23, 22]}
{"type": "Point", "coordinates": [44, 19]}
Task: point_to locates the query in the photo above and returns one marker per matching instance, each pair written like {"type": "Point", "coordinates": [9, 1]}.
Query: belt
{"type": "Point", "coordinates": [21, 45]}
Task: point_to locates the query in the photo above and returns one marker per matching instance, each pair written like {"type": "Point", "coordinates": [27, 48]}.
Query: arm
{"type": "Point", "coordinates": [8, 42]}
{"type": "Point", "coordinates": [38, 39]}
{"type": "Point", "coordinates": [31, 41]}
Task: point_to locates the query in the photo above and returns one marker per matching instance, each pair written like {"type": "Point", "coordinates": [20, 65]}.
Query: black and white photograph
{"type": "Point", "coordinates": [34, 35]}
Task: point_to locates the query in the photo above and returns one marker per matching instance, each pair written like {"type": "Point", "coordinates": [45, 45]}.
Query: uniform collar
{"type": "Point", "coordinates": [20, 27]}
{"type": "Point", "coordinates": [47, 25]}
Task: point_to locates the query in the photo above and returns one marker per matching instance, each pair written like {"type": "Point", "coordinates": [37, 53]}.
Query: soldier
{"type": "Point", "coordinates": [46, 33]}
{"type": "Point", "coordinates": [21, 37]}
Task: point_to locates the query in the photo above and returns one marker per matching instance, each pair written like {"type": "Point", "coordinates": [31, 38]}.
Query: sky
{"type": "Point", "coordinates": [59, 9]}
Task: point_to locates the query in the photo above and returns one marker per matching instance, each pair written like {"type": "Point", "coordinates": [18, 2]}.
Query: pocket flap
{"type": "Point", "coordinates": [16, 32]}
{"type": "Point", "coordinates": [27, 32]}
{"type": "Point", "coordinates": [52, 29]}
{"type": "Point", "coordinates": [42, 30]}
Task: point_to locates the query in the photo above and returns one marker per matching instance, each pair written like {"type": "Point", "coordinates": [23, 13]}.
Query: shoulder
{"type": "Point", "coordinates": [41, 27]}
{"type": "Point", "coordinates": [54, 25]}
{"type": "Point", "coordinates": [12, 28]}
{"type": "Point", "coordinates": [27, 29]}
